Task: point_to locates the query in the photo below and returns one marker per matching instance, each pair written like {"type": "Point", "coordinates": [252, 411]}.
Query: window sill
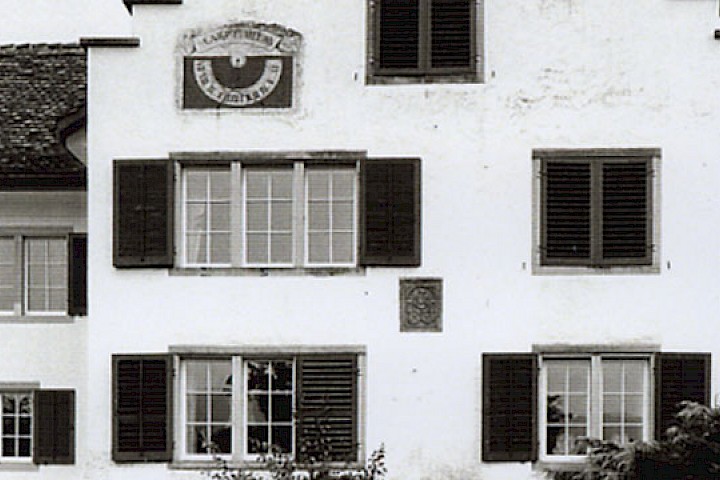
{"type": "Point", "coordinates": [266, 272]}
{"type": "Point", "coordinates": [467, 78]}
{"type": "Point", "coordinates": [203, 465]}
{"type": "Point", "coordinates": [581, 270]}
{"type": "Point", "coordinates": [575, 465]}
{"type": "Point", "coordinates": [6, 466]}
{"type": "Point", "coordinates": [32, 319]}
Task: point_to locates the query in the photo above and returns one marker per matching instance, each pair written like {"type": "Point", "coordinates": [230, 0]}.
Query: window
{"type": "Point", "coordinates": [559, 398]}
{"type": "Point", "coordinates": [268, 211]}
{"type": "Point", "coordinates": [37, 426]}
{"type": "Point", "coordinates": [39, 277]}
{"type": "Point", "coordinates": [237, 406]}
{"type": "Point", "coordinates": [423, 40]}
{"type": "Point", "coordinates": [597, 208]}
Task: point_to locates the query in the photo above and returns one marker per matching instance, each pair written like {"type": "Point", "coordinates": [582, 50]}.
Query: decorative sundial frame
{"type": "Point", "coordinates": [276, 90]}
{"type": "Point", "coordinates": [421, 305]}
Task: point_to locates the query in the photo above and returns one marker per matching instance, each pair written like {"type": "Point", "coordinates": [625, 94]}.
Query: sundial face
{"type": "Point", "coordinates": [243, 65]}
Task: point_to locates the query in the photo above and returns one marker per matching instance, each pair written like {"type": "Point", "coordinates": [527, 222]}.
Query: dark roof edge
{"type": "Point", "coordinates": [130, 3]}
{"type": "Point", "coordinates": [43, 182]}
{"type": "Point", "coordinates": [111, 42]}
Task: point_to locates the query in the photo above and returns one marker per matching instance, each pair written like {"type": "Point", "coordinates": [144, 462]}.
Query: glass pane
{"type": "Point", "coordinates": [319, 247]}
{"type": "Point", "coordinates": [197, 439]}
{"type": "Point", "coordinates": [281, 408]}
{"type": "Point", "coordinates": [58, 299]}
{"type": "Point", "coordinates": [556, 441]}
{"type": "Point", "coordinates": [36, 275]}
{"type": "Point", "coordinates": [634, 408]}
{"type": "Point", "coordinates": [37, 299]}
{"type": "Point", "coordinates": [318, 216]}
{"type": "Point", "coordinates": [257, 248]}
{"type": "Point", "coordinates": [221, 375]}
{"type": "Point", "coordinates": [196, 248]}
{"type": "Point", "coordinates": [57, 275]}
{"type": "Point", "coordinates": [196, 217]}
{"type": "Point", "coordinates": [318, 185]}
{"type": "Point", "coordinates": [555, 408]}
{"type": "Point", "coordinates": [7, 251]}
{"type": "Point", "coordinates": [24, 447]}
{"type": "Point", "coordinates": [257, 439]}
{"type": "Point", "coordinates": [58, 250]}
{"type": "Point", "coordinates": [281, 248]}
{"type": "Point", "coordinates": [282, 378]}
{"type": "Point", "coordinates": [577, 412]}
{"type": "Point", "coordinates": [578, 374]}
{"type": "Point", "coordinates": [197, 408]}
{"type": "Point", "coordinates": [256, 185]}
{"type": "Point", "coordinates": [220, 248]}
{"type": "Point", "coordinates": [611, 408]}
{"type": "Point", "coordinates": [633, 434]}
{"type": "Point", "coordinates": [556, 379]}
{"type": "Point", "coordinates": [36, 251]}
{"type": "Point", "coordinates": [634, 376]}
{"type": "Point", "coordinates": [612, 376]}
{"type": "Point", "coordinates": [222, 439]}
{"type": "Point", "coordinates": [7, 275]}
{"type": "Point", "coordinates": [220, 217]}
{"type": "Point", "coordinates": [281, 216]}
{"type": "Point", "coordinates": [25, 404]}
{"type": "Point", "coordinates": [221, 409]}
{"type": "Point", "coordinates": [612, 434]}
{"type": "Point", "coordinates": [343, 185]}
{"type": "Point", "coordinates": [342, 216]}
{"type": "Point", "coordinates": [257, 376]}
{"type": "Point", "coordinates": [257, 216]}
{"type": "Point", "coordinates": [197, 375]}
{"type": "Point", "coordinates": [196, 184]}
{"type": "Point", "coordinates": [8, 447]}
{"type": "Point", "coordinates": [282, 438]}
{"type": "Point", "coordinates": [577, 441]}
{"type": "Point", "coordinates": [8, 425]}
{"type": "Point", "coordinates": [7, 299]}
{"type": "Point", "coordinates": [220, 184]}
{"type": "Point", "coordinates": [342, 248]}
{"type": "Point", "coordinates": [282, 185]}
{"type": "Point", "coordinates": [9, 404]}
{"type": "Point", "coordinates": [258, 408]}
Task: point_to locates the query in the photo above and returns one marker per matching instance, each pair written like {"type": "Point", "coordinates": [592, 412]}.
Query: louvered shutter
{"type": "Point", "coordinates": [327, 397]}
{"type": "Point", "coordinates": [54, 430]}
{"type": "Point", "coordinates": [397, 27]}
{"type": "Point", "coordinates": [679, 377]}
{"type": "Point", "coordinates": [509, 429]}
{"type": "Point", "coordinates": [390, 219]}
{"type": "Point", "coordinates": [77, 274]}
{"type": "Point", "coordinates": [451, 31]}
{"type": "Point", "coordinates": [143, 213]}
{"type": "Point", "coordinates": [566, 213]}
{"type": "Point", "coordinates": [626, 215]}
{"type": "Point", "coordinates": [142, 408]}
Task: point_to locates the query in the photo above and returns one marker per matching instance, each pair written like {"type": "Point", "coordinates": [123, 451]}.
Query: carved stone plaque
{"type": "Point", "coordinates": [421, 305]}
{"type": "Point", "coordinates": [240, 65]}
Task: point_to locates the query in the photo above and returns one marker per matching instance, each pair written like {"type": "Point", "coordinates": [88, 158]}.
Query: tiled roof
{"type": "Point", "coordinates": [41, 86]}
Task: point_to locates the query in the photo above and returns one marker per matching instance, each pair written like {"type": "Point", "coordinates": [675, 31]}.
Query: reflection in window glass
{"type": "Point", "coordinates": [207, 216]}
{"type": "Point", "coordinates": [624, 400]}
{"type": "Point", "coordinates": [208, 401]}
{"type": "Point", "coordinates": [568, 403]}
{"type": "Point", "coordinates": [269, 406]}
{"type": "Point", "coordinates": [16, 425]}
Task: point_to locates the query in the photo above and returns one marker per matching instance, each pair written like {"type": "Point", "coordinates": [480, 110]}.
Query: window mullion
{"type": "Point", "coordinates": [238, 409]}
{"type": "Point", "coordinates": [20, 287]}
{"type": "Point", "coordinates": [298, 218]}
{"type": "Point", "coordinates": [236, 215]}
{"type": "Point", "coordinates": [596, 397]}
{"type": "Point", "coordinates": [596, 196]}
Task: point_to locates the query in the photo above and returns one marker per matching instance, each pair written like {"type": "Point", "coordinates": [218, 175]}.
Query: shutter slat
{"type": "Point", "coordinates": [327, 406]}
{"type": "Point", "coordinates": [54, 431]}
{"type": "Point", "coordinates": [142, 417]}
{"type": "Point", "coordinates": [509, 429]}
{"type": "Point", "coordinates": [77, 274]}
{"type": "Point", "coordinates": [398, 34]}
{"type": "Point", "coordinates": [143, 213]}
{"type": "Point", "coordinates": [451, 30]}
{"type": "Point", "coordinates": [391, 212]}
{"type": "Point", "coordinates": [679, 377]}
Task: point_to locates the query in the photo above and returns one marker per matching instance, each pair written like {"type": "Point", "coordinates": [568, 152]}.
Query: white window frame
{"type": "Point", "coordinates": [16, 459]}
{"type": "Point", "coordinates": [238, 209]}
{"type": "Point", "coordinates": [595, 417]}
{"type": "Point", "coordinates": [21, 286]}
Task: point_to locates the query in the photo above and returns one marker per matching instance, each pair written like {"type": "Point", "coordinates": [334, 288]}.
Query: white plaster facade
{"type": "Point", "coordinates": [558, 74]}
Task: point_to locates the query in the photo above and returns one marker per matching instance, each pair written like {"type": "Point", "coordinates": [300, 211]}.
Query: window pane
{"type": "Point", "coordinates": [8, 447]}
{"type": "Point", "coordinates": [197, 408]}
{"type": "Point", "coordinates": [258, 408]}
{"type": "Point", "coordinates": [633, 434]}
{"type": "Point", "coordinates": [196, 248]}
{"type": "Point", "coordinates": [319, 216]}
{"type": "Point", "coordinates": [281, 408]}
{"type": "Point", "coordinates": [578, 374]}
{"type": "Point", "coordinates": [257, 185]}
{"type": "Point", "coordinates": [197, 439]}
{"type": "Point", "coordinates": [222, 439]}
{"type": "Point", "coordinates": [556, 410]}
{"type": "Point", "coordinates": [257, 439]}
{"type": "Point", "coordinates": [612, 376]}
{"type": "Point", "coordinates": [7, 251]}
{"type": "Point", "coordinates": [282, 438]}
{"type": "Point", "coordinates": [257, 216]}
{"type": "Point", "coordinates": [221, 409]}
{"type": "Point", "coordinates": [282, 185]}
{"type": "Point", "coordinates": [220, 184]}
{"type": "Point", "coordinates": [318, 185]}
{"type": "Point", "coordinates": [221, 375]}
{"type": "Point", "coordinates": [612, 408]}
{"type": "Point", "coordinates": [24, 447]}
{"type": "Point", "coordinates": [25, 404]}
{"type": "Point", "coordinates": [8, 426]}
{"type": "Point", "coordinates": [196, 184]}
{"type": "Point", "coordinates": [342, 216]}
{"type": "Point", "coordinates": [555, 440]}
{"type": "Point", "coordinates": [196, 375]}
{"type": "Point", "coordinates": [57, 251]}
{"type": "Point", "coordinates": [58, 300]}
{"type": "Point", "coordinates": [46, 271]}
{"type": "Point", "coordinates": [196, 217]}
{"type": "Point", "coordinates": [9, 404]}
{"type": "Point", "coordinates": [281, 216]}
{"type": "Point", "coordinates": [634, 408]}
{"type": "Point", "coordinates": [282, 378]}
{"type": "Point", "coordinates": [577, 442]}
{"type": "Point", "coordinates": [37, 299]}
{"type": "Point", "coordinates": [281, 248]}
{"type": "Point", "coordinates": [634, 375]}
{"type": "Point", "coordinates": [578, 407]}
{"type": "Point", "coordinates": [257, 248]}
{"type": "Point", "coordinates": [342, 248]}
{"type": "Point", "coordinates": [612, 434]}
{"type": "Point", "coordinates": [319, 247]}
{"type": "Point", "coordinates": [220, 248]}
{"type": "Point", "coordinates": [220, 217]}
{"type": "Point", "coordinates": [8, 275]}
{"type": "Point", "coordinates": [344, 185]}
{"type": "Point", "coordinates": [257, 375]}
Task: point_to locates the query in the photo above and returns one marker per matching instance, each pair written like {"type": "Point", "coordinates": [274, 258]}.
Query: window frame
{"type": "Point", "coordinates": [21, 308]}
{"type": "Point", "coordinates": [424, 72]}
{"type": "Point", "coordinates": [595, 420]}
{"type": "Point", "coordinates": [239, 165]}
{"type": "Point", "coordinates": [596, 157]}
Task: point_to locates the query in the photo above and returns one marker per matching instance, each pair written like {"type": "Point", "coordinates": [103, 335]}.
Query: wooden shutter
{"type": "Point", "coordinates": [77, 274]}
{"type": "Point", "coordinates": [390, 218]}
{"type": "Point", "coordinates": [142, 408]}
{"type": "Point", "coordinates": [566, 213]}
{"type": "Point", "coordinates": [327, 398]}
{"type": "Point", "coordinates": [397, 30]}
{"type": "Point", "coordinates": [509, 429]}
{"type": "Point", "coordinates": [679, 377]}
{"type": "Point", "coordinates": [54, 430]}
{"type": "Point", "coordinates": [143, 213]}
{"type": "Point", "coordinates": [626, 212]}
{"type": "Point", "coordinates": [451, 34]}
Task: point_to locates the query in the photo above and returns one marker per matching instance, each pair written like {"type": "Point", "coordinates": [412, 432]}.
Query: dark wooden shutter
{"type": "Point", "coordinates": [327, 397]}
{"type": "Point", "coordinates": [626, 214]}
{"type": "Point", "coordinates": [679, 377]}
{"type": "Point", "coordinates": [143, 213]}
{"type": "Point", "coordinates": [390, 220]}
{"type": "Point", "coordinates": [451, 30]}
{"type": "Point", "coordinates": [142, 408]}
{"type": "Point", "coordinates": [566, 213]}
{"type": "Point", "coordinates": [54, 431]}
{"type": "Point", "coordinates": [509, 429]}
{"type": "Point", "coordinates": [77, 274]}
{"type": "Point", "coordinates": [397, 26]}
